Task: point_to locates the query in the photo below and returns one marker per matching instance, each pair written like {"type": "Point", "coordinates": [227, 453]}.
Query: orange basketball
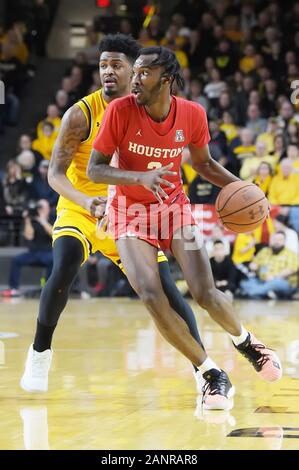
{"type": "Point", "coordinates": [242, 206]}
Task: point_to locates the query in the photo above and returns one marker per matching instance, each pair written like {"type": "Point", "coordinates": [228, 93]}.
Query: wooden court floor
{"type": "Point", "coordinates": [116, 384]}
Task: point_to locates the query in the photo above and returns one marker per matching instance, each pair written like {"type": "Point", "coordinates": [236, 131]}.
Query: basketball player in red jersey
{"type": "Point", "coordinates": [149, 130]}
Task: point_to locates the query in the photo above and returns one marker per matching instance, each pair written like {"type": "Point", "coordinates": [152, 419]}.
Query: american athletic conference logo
{"type": "Point", "coordinates": [179, 136]}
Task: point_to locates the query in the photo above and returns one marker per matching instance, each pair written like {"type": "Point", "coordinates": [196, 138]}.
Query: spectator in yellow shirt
{"type": "Point", "coordinates": [251, 164]}
{"type": "Point", "coordinates": [14, 46]}
{"type": "Point", "coordinates": [228, 127]}
{"type": "Point", "coordinates": [269, 136]}
{"type": "Point", "coordinates": [293, 157]}
{"type": "Point", "coordinates": [45, 143]}
{"type": "Point", "coordinates": [284, 188]}
{"type": "Point", "coordinates": [263, 176]}
{"type": "Point", "coordinates": [244, 248]}
{"type": "Point", "coordinates": [53, 116]}
{"type": "Point", "coordinates": [247, 63]}
{"type": "Point", "coordinates": [279, 147]}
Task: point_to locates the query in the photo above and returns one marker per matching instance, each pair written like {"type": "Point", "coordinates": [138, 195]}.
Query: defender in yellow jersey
{"type": "Point", "coordinates": [80, 206]}
{"type": "Point", "coordinates": [72, 219]}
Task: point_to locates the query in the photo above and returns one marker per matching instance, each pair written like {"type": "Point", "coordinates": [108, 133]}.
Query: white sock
{"type": "Point", "coordinates": [240, 339]}
{"type": "Point", "coordinates": [208, 364]}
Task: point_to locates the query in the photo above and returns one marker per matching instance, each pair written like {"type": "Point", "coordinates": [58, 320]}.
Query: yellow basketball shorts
{"type": "Point", "coordinates": [83, 227]}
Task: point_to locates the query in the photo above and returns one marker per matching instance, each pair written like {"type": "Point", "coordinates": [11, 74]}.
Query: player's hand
{"type": "Point", "coordinates": [102, 223]}
{"type": "Point", "coordinates": [96, 206]}
{"type": "Point", "coordinates": [153, 179]}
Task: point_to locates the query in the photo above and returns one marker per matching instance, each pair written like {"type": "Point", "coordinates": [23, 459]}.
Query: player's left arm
{"type": "Point", "coordinates": [208, 168]}
{"type": "Point", "coordinates": [201, 159]}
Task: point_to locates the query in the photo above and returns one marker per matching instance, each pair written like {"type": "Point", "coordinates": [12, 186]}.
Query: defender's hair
{"type": "Point", "coordinates": [167, 59]}
{"type": "Point", "coordinates": [120, 43]}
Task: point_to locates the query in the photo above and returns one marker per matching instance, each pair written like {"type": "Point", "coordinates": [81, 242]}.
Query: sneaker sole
{"type": "Point", "coordinates": [30, 389]}
{"type": "Point", "coordinates": [226, 405]}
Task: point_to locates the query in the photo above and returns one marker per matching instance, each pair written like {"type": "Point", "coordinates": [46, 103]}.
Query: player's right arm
{"type": "Point", "coordinates": [107, 141]}
{"type": "Point", "coordinates": [100, 171]}
{"type": "Point", "coordinates": [73, 130]}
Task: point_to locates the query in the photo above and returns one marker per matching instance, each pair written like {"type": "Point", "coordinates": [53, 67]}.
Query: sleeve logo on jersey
{"type": "Point", "coordinates": [179, 136]}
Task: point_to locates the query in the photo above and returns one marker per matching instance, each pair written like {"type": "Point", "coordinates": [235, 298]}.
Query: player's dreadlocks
{"type": "Point", "coordinates": [167, 59]}
{"type": "Point", "coordinates": [120, 43]}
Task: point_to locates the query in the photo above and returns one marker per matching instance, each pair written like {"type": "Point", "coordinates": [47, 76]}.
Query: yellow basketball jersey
{"type": "Point", "coordinates": [93, 107]}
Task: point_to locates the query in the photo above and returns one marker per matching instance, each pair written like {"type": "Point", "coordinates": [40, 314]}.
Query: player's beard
{"type": "Point", "coordinates": [110, 91]}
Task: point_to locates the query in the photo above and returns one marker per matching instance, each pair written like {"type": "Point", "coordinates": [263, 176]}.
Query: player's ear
{"type": "Point", "coordinates": [165, 79]}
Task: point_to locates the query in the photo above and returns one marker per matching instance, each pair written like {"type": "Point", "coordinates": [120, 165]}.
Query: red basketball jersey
{"type": "Point", "coordinates": [143, 144]}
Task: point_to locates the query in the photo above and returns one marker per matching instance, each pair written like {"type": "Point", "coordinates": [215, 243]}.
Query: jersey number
{"type": "Point", "coordinates": [154, 165]}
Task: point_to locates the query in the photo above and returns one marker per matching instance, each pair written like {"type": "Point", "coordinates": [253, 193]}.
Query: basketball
{"type": "Point", "coordinates": [241, 206]}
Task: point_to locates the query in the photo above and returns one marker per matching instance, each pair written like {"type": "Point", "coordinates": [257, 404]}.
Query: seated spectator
{"type": "Point", "coordinates": [291, 242]}
{"type": "Point", "coordinates": [269, 98]}
{"type": "Point", "coordinates": [293, 133]}
{"type": "Point", "coordinates": [215, 86]}
{"type": "Point", "coordinates": [53, 116]}
{"type": "Point", "coordinates": [276, 270]}
{"type": "Point", "coordinates": [250, 165]}
{"type": "Point", "coordinates": [285, 115]}
{"type": "Point", "coordinates": [196, 95]}
{"type": "Point", "coordinates": [45, 143]}
{"type": "Point", "coordinates": [292, 157]}
{"type": "Point", "coordinates": [13, 44]}
{"type": "Point", "coordinates": [284, 188]}
{"type": "Point", "coordinates": [172, 37]}
{"type": "Point", "coordinates": [217, 233]}
{"type": "Point", "coordinates": [26, 160]}
{"type": "Point", "coordinates": [14, 189]}
{"type": "Point", "coordinates": [263, 176]}
{"type": "Point", "coordinates": [242, 87]}
{"type": "Point", "coordinates": [62, 101]}
{"type": "Point", "coordinates": [224, 104]}
{"type": "Point", "coordinates": [218, 140]}
{"type": "Point", "coordinates": [38, 236]}
{"type": "Point", "coordinates": [269, 136]}
{"type": "Point", "coordinates": [144, 39]}
{"type": "Point", "coordinates": [68, 86]}
{"type": "Point", "coordinates": [40, 188]}
{"type": "Point", "coordinates": [228, 127]}
{"type": "Point", "coordinates": [254, 98]}
{"type": "Point", "coordinates": [232, 28]}
{"type": "Point", "coordinates": [25, 143]}
{"type": "Point", "coordinates": [223, 269]}
{"type": "Point", "coordinates": [180, 54]}
{"type": "Point", "coordinates": [225, 58]}
{"type": "Point", "coordinates": [279, 150]}
{"type": "Point", "coordinates": [240, 149]}
{"type": "Point", "coordinates": [196, 50]}
{"type": "Point", "coordinates": [247, 62]}
{"type": "Point", "coordinates": [255, 122]}
{"type": "Point", "coordinates": [244, 248]}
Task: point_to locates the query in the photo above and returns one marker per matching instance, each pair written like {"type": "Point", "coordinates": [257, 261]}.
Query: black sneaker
{"type": "Point", "coordinates": [264, 360]}
{"type": "Point", "coordinates": [217, 391]}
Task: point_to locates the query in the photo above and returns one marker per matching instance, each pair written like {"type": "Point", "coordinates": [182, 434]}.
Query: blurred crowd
{"type": "Point", "coordinates": [240, 61]}
{"type": "Point", "coordinates": [23, 35]}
